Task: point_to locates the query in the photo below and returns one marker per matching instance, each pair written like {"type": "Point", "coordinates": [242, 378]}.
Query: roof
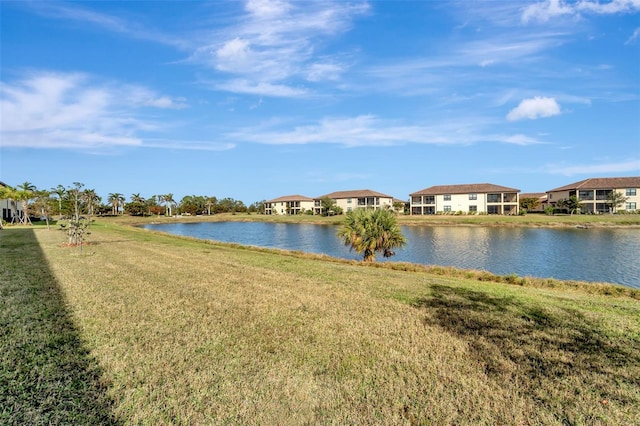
{"type": "Point", "coordinates": [358, 193]}
{"type": "Point", "coordinates": [472, 188]}
{"type": "Point", "coordinates": [533, 195]}
{"type": "Point", "coordinates": [287, 198]}
{"type": "Point", "coordinates": [602, 183]}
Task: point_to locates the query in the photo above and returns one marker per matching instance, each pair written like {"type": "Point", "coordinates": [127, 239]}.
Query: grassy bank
{"type": "Point", "coordinates": [529, 220]}
{"type": "Point", "coordinates": [153, 329]}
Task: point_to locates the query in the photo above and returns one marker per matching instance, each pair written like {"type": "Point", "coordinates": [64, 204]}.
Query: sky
{"type": "Point", "coordinates": [253, 100]}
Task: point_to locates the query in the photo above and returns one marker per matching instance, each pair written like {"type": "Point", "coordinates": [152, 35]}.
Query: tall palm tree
{"type": "Point", "coordinates": [370, 231]}
{"type": "Point", "coordinates": [210, 201]}
{"type": "Point", "coordinates": [168, 202]}
{"type": "Point", "coordinates": [24, 193]}
{"type": "Point", "coordinates": [59, 191]}
{"type": "Point", "coordinates": [91, 199]}
{"type": "Point", "coordinates": [115, 199]}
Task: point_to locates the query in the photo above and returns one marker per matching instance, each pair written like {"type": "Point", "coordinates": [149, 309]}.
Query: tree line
{"type": "Point", "coordinates": [27, 201]}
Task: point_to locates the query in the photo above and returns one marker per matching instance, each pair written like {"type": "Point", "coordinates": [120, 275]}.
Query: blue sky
{"type": "Point", "coordinates": [260, 99]}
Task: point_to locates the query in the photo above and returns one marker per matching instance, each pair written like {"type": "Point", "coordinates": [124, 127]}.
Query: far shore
{"type": "Point", "coordinates": [529, 220]}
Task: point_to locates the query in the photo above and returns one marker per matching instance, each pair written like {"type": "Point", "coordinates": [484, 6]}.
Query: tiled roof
{"type": "Point", "coordinates": [353, 194]}
{"type": "Point", "coordinates": [288, 198]}
{"type": "Point", "coordinates": [533, 195]}
{"type": "Point", "coordinates": [473, 188]}
{"type": "Point", "coordinates": [602, 183]}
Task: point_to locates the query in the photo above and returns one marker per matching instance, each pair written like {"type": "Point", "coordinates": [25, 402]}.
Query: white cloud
{"type": "Point", "coordinates": [276, 42]}
{"type": "Point", "coordinates": [547, 10]}
{"type": "Point", "coordinates": [534, 108]}
{"type": "Point", "coordinates": [72, 110]}
{"type": "Point", "coordinates": [261, 88]}
{"type": "Point", "coordinates": [633, 37]}
{"type": "Point", "coordinates": [369, 130]}
{"type": "Point", "coordinates": [544, 11]}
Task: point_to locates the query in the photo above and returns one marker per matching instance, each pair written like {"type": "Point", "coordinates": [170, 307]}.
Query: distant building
{"type": "Point", "coordinates": [11, 210]}
{"type": "Point", "coordinates": [470, 198]}
{"type": "Point", "coordinates": [593, 193]}
{"type": "Point", "coordinates": [288, 205]}
{"type": "Point", "coordinates": [351, 200]}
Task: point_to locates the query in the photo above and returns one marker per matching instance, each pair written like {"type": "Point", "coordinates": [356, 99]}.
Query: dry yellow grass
{"type": "Point", "coordinates": [189, 332]}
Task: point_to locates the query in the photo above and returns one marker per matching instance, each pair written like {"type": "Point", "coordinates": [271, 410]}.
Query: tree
{"type": "Point", "coordinates": [329, 207]}
{"type": "Point", "coordinates": [168, 201]}
{"type": "Point", "coordinates": [91, 200]}
{"type": "Point", "coordinates": [615, 199]}
{"type": "Point", "coordinates": [369, 231]}
{"type": "Point", "coordinates": [115, 199]}
{"type": "Point", "coordinates": [210, 202]}
{"type": "Point", "coordinates": [529, 203]}
{"type": "Point", "coordinates": [572, 204]}
{"type": "Point", "coordinates": [44, 204]}
{"type": "Point", "coordinates": [60, 192]}
{"type": "Point", "coordinates": [24, 193]}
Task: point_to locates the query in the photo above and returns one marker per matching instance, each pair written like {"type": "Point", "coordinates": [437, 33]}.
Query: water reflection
{"type": "Point", "coordinates": [609, 255]}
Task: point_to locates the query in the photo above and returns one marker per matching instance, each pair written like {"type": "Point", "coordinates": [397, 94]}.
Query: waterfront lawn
{"type": "Point", "coordinates": [143, 328]}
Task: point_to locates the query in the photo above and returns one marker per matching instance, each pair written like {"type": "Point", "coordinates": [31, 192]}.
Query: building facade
{"type": "Point", "coordinates": [356, 199]}
{"type": "Point", "coordinates": [289, 205]}
{"type": "Point", "coordinates": [11, 209]}
{"type": "Point", "coordinates": [484, 198]}
{"type": "Point", "coordinates": [593, 193]}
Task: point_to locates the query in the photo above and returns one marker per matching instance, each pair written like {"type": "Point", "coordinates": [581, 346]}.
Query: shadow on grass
{"type": "Point", "coordinates": [47, 376]}
{"type": "Point", "coordinates": [556, 355]}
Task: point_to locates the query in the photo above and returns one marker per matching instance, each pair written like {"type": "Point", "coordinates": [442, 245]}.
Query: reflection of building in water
{"type": "Point", "coordinates": [467, 199]}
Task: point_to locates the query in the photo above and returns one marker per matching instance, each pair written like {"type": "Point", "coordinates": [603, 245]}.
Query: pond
{"type": "Point", "coordinates": [605, 255]}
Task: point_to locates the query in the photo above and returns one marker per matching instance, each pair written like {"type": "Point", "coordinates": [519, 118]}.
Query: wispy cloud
{"type": "Point", "coordinates": [534, 108]}
{"type": "Point", "coordinates": [278, 41]}
{"type": "Point", "coordinates": [547, 10]}
{"type": "Point", "coordinates": [72, 11]}
{"type": "Point", "coordinates": [624, 166]}
{"type": "Point", "coordinates": [369, 130]}
{"type": "Point", "coordinates": [74, 110]}
{"type": "Point", "coordinates": [633, 37]}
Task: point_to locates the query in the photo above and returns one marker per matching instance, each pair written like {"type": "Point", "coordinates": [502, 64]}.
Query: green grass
{"type": "Point", "coordinates": [155, 329]}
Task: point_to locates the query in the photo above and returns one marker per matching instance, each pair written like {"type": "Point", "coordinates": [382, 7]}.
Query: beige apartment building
{"type": "Point", "coordinates": [351, 200]}
{"type": "Point", "coordinates": [289, 205]}
{"type": "Point", "coordinates": [475, 198]}
{"type": "Point", "coordinates": [593, 193]}
{"type": "Point", "coordinates": [11, 210]}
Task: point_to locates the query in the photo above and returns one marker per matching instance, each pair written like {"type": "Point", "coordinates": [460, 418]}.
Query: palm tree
{"type": "Point", "coordinates": [210, 201]}
{"type": "Point", "coordinates": [24, 193]}
{"type": "Point", "coordinates": [168, 202]}
{"type": "Point", "coordinates": [115, 199]}
{"type": "Point", "coordinates": [91, 199]}
{"type": "Point", "coordinates": [370, 231]}
{"type": "Point", "coordinates": [59, 191]}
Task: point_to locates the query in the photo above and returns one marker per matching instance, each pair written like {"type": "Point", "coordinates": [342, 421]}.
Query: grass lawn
{"type": "Point", "coordinates": [144, 328]}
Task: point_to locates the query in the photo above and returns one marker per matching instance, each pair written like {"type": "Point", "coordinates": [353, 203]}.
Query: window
{"type": "Point", "coordinates": [473, 209]}
{"type": "Point", "coordinates": [585, 195]}
{"type": "Point", "coordinates": [447, 208]}
{"type": "Point", "coordinates": [493, 198]}
{"type": "Point", "coordinates": [447, 197]}
{"type": "Point", "coordinates": [348, 200]}
{"type": "Point", "coordinates": [429, 199]}
{"type": "Point", "coordinates": [473, 196]}
{"type": "Point", "coordinates": [630, 192]}
{"type": "Point", "coordinates": [630, 206]}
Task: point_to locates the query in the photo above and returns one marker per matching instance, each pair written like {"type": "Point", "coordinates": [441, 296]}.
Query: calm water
{"type": "Point", "coordinates": [609, 255]}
